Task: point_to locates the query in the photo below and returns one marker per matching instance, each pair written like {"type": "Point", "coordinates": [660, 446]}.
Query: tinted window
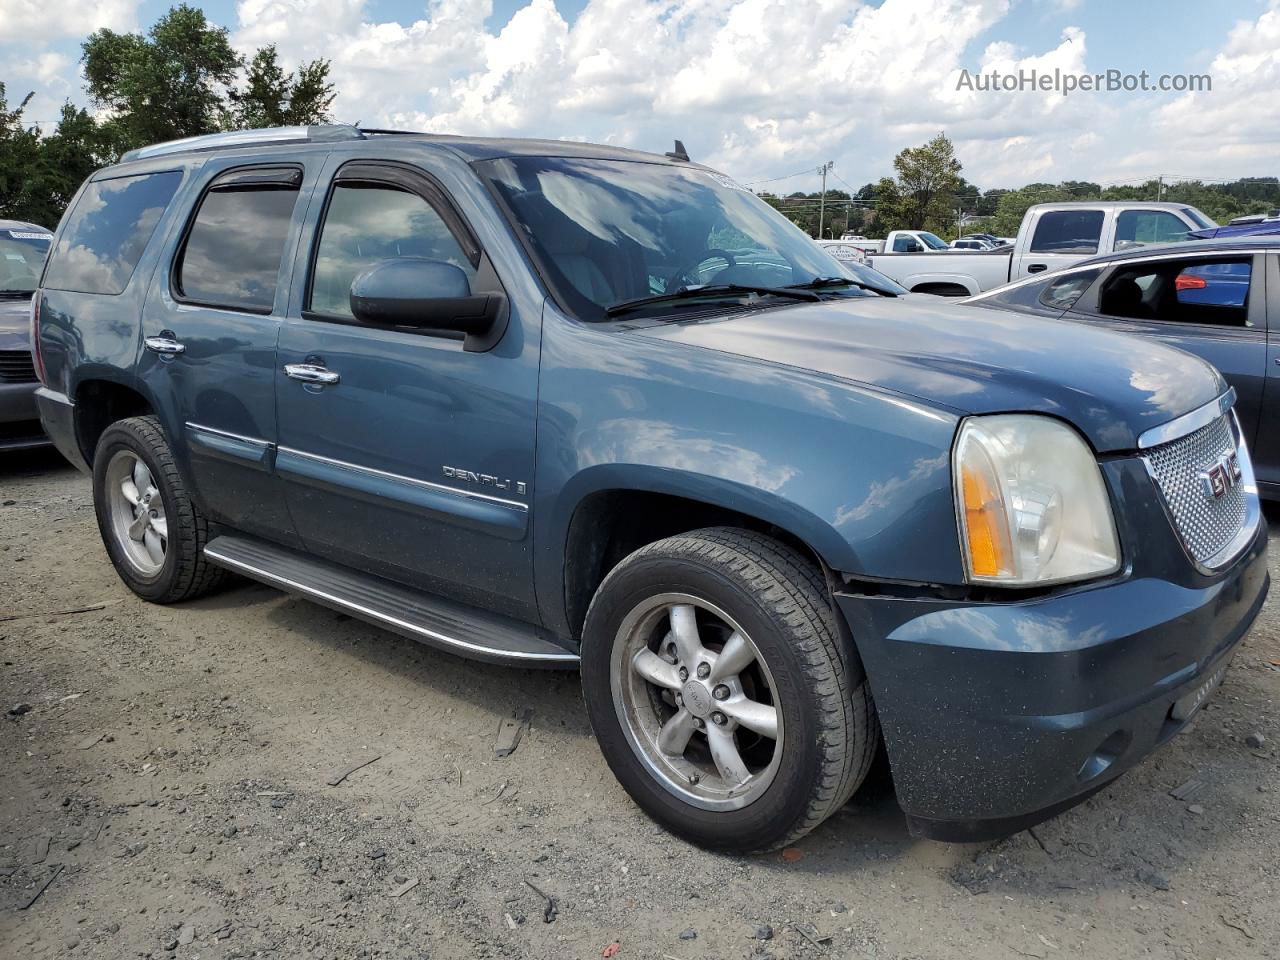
{"type": "Point", "coordinates": [1136, 227]}
{"type": "Point", "coordinates": [232, 254]}
{"type": "Point", "coordinates": [367, 223]}
{"type": "Point", "coordinates": [1062, 293]}
{"type": "Point", "coordinates": [109, 228]}
{"type": "Point", "coordinates": [1068, 231]}
{"type": "Point", "coordinates": [1181, 291]}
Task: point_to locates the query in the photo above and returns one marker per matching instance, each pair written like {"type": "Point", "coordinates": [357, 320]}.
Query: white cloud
{"type": "Point", "coordinates": [1238, 123]}
{"type": "Point", "coordinates": [756, 87]}
{"type": "Point", "coordinates": [38, 21]}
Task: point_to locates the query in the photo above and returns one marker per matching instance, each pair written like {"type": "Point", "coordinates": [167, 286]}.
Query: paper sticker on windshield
{"type": "Point", "coordinates": [28, 235]}
{"type": "Point", "coordinates": [729, 182]}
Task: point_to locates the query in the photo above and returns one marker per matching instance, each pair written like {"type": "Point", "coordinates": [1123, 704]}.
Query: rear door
{"type": "Point", "coordinates": [1059, 238]}
{"type": "Point", "coordinates": [1212, 305]}
{"type": "Point", "coordinates": [414, 461]}
{"type": "Point", "coordinates": [210, 328]}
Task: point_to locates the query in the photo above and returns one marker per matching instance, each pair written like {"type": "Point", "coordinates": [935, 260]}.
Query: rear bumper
{"type": "Point", "coordinates": [58, 416]}
{"type": "Point", "coordinates": [999, 715]}
{"type": "Point", "coordinates": [19, 419]}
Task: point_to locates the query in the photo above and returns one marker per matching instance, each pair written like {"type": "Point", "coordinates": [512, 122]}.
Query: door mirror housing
{"type": "Point", "coordinates": [428, 295]}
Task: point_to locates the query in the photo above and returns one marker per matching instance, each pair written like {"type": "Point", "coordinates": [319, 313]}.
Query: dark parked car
{"type": "Point", "coordinates": [23, 248]}
{"type": "Point", "coordinates": [555, 404]}
{"type": "Point", "coordinates": [1218, 299]}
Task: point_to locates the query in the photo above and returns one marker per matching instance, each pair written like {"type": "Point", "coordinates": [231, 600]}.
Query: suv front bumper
{"type": "Point", "coordinates": [999, 715]}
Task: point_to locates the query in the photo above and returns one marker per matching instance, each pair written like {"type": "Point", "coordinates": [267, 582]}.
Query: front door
{"type": "Point", "coordinates": [403, 454]}
{"type": "Point", "coordinates": [210, 329]}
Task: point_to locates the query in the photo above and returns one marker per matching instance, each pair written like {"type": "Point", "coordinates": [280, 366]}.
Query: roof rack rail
{"type": "Point", "coordinates": [318, 133]}
{"type": "Point", "coordinates": [392, 133]}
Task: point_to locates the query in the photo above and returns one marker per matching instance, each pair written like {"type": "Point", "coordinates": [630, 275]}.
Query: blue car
{"type": "Point", "coordinates": [1216, 299]}
{"type": "Point", "coordinates": [558, 404]}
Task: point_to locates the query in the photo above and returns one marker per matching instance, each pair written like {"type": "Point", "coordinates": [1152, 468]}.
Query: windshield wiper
{"type": "Point", "coordinates": [711, 290]}
{"type": "Point", "coordinates": [820, 282]}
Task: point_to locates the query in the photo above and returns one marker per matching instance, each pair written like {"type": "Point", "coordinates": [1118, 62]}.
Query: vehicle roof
{"type": "Point", "coordinates": [23, 225]}
{"type": "Point", "coordinates": [468, 148]}
{"type": "Point", "coordinates": [1267, 242]}
{"type": "Point", "coordinates": [1112, 205]}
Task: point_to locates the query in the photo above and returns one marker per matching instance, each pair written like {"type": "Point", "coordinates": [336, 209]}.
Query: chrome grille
{"type": "Point", "coordinates": [16, 367]}
{"type": "Point", "coordinates": [1206, 525]}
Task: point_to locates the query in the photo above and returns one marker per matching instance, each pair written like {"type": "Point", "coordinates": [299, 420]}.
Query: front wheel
{"type": "Point", "coordinates": [720, 693]}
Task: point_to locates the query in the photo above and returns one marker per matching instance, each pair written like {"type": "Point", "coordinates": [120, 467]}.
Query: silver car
{"type": "Point", "coordinates": [23, 248]}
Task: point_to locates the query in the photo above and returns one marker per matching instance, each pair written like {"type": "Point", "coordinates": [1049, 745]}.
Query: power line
{"type": "Point", "coordinates": [798, 173]}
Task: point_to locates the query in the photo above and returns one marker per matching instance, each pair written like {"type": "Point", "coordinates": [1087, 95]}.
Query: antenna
{"type": "Point", "coordinates": [679, 153]}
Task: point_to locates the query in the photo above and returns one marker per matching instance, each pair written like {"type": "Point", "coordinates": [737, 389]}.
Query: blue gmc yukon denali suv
{"type": "Point", "coordinates": [554, 404]}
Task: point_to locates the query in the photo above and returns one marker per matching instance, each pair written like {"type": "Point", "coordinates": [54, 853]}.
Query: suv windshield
{"type": "Point", "coordinates": [22, 253]}
{"type": "Point", "coordinates": [607, 233]}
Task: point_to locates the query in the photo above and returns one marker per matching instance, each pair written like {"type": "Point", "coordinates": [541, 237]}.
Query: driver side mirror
{"type": "Point", "coordinates": [429, 295]}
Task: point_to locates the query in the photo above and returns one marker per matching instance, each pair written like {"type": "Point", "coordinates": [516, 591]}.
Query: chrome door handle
{"type": "Point", "coordinates": [310, 373]}
{"type": "Point", "coordinates": [165, 346]}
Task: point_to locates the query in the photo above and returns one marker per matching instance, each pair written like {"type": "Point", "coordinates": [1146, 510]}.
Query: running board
{"type": "Point", "coordinates": [448, 625]}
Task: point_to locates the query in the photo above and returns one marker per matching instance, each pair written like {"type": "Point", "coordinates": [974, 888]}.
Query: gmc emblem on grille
{"type": "Point", "coordinates": [1224, 474]}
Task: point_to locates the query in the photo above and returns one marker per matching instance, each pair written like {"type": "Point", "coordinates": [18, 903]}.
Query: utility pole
{"type": "Point", "coordinates": [1160, 187]}
{"type": "Point", "coordinates": [822, 204]}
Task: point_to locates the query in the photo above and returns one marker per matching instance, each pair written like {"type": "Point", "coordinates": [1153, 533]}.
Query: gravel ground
{"type": "Point", "coordinates": [169, 790]}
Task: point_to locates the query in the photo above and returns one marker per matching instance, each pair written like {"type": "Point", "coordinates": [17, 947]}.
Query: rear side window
{"type": "Point", "coordinates": [232, 254]}
{"type": "Point", "coordinates": [1068, 231]}
{"type": "Point", "coordinates": [107, 232]}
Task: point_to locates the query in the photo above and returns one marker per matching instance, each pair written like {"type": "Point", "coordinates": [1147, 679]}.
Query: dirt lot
{"type": "Point", "coordinates": [169, 784]}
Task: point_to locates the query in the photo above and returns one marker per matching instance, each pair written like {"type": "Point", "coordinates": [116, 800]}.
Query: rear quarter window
{"type": "Point", "coordinates": [1062, 293]}
{"type": "Point", "coordinates": [108, 230]}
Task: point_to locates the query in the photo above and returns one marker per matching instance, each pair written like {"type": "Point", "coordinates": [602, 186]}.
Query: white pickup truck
{"type": "Point", "coordinates": [1052, 236]}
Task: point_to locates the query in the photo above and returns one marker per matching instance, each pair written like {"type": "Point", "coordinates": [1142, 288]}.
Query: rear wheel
{"type": "Point", "coordinates": [153, 532]}
{"type": "Point", "coordinates": [719, 690]}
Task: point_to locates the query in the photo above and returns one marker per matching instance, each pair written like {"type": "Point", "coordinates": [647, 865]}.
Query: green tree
{"type": "Point", "coordinates": [928, 177]}
{"type": "Point", "coordinates": [165, 85]}
{"type": "Point", "coordinates": [19, 161]}
{"type": "Point", "coordinates": [272, 98]}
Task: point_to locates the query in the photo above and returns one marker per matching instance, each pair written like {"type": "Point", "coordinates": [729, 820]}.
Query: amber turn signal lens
{"type": "Point", "coordinates": [990, 553]}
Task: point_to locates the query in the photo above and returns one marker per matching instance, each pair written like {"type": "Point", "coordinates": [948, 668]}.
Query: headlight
{"type": "Point", "coordinates": [1032, 504]}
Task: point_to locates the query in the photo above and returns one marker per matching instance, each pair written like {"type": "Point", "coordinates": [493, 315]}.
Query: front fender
{"type": "Point", "coordinates": [861, 476]}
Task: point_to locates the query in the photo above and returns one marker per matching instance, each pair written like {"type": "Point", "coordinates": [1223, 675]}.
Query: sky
{"type": "Point", "coordinates": [766, 90]}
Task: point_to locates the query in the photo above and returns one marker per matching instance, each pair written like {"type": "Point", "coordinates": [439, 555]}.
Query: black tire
{"type": "Point", "coordinates": [185, 573]}
{"type": "Point", "coordinates": [780, 599]}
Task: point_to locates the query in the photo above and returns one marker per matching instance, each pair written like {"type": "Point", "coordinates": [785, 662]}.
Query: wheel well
{"type": "Point", "coordinates": [609, 525]}
{"type": "Point", "coordinates": [941, 289]}
{"type": "Point", "coordinates": [100, 403]}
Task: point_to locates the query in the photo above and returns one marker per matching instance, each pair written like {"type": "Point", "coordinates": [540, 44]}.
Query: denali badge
{"type": "Point", "coordinates": [484, 479]}
{"type": "Point", "coordinates": [1221, 476]}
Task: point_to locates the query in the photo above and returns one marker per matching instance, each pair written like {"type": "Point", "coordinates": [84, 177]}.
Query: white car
{"type": "Point", "coordinates": [1052, 236]}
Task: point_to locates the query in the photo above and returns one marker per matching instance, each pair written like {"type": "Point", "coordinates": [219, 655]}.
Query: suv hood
{"type": "Point", "coordinates": [972, 359]}
{"type": "Point", "coordinates": [15, 324]}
